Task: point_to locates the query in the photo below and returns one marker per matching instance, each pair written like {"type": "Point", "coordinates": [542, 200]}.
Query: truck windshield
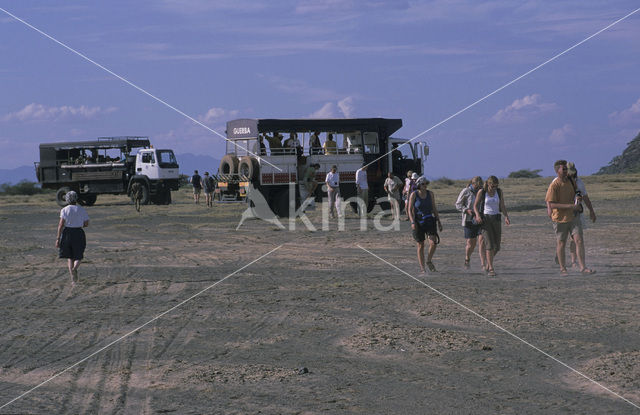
{"type": "Point", "coordinates": [167, 159]}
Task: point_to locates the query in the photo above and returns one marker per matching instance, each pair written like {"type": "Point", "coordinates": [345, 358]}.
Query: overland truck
{"type": "Point", "coordinates": [108, 165]}
{"type": "Point", "coordinates": [271, 170]}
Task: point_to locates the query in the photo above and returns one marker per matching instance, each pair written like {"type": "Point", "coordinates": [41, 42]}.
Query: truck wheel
{"type": "Point", "coordinates": [228, 164]}
{"type": "Point", "coordinates": [249, 167]}
{"type": "Point", "coordinates": [89, 200]}
{"type": "Point", "coordinates": [60, 194]}
{"type": "Point", "coordinates": [281, 203]}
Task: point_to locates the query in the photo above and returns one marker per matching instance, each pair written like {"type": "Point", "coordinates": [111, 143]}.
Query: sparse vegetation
{"type": "Point", "coordinates": [24, 187]}
{"type": "Point", "coordinates": [444, 181]}
{"type": "Point", "coordinates": [627, 162]}
{"type": "Point", "coordinates": [525, 174]}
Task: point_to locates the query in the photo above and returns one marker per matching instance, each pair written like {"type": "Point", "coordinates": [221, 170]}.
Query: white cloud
{"type": "Point", "coordinates": [215, 115]}
{"type": "Point", "coordinates": [38, 112]}
{"type": "Point", "coordinates": [628, 115]}
{"type": "Point", "coordinates": [522, 108]}
{"type": "Point", "coordinates": [328, 110]}
{"type": "Point", "coordinates": [346, 107]}
{"type": "Point", "coordinates": [332, 110]}
{"type": "Point", "coordinates": [559, 135]}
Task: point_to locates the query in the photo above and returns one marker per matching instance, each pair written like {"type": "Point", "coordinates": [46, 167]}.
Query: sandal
{"type": "Point", "coordinates": [587, 271]}
{"type": "Point", "coordinates": [431, 267]}
{"type": "Point", "coordinates": [491, 273]}
{"type": "Point", "coordinates": [466, 263]}
{"type": "Point", "coordinates": [564, 272]}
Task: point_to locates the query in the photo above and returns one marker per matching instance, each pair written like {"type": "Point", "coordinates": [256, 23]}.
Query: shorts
{"type": "Point", "coordinates": [427, 229]}
{"type": "Point", "coordinates": [563, 230]}
{"type": "Point", "coordinates": [471, 230]}
{"type": "Point", "coordinates": [72, 243]}
{"type": "Point", "coordinates": [196, 190]}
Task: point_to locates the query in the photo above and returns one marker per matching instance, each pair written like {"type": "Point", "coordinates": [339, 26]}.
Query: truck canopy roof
{"type": "Point", "coordinates": [128, 142]}
{"type": "Point", "coordinates": [250, 128]}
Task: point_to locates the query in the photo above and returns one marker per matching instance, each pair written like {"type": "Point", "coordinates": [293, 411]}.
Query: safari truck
{"type": "Point", "coordinates": [255, 156]}
{"type": "Point", "coordinates": [108, 165]}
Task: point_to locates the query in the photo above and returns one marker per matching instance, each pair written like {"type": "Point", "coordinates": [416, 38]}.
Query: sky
{"type": "Point", "coordinates": [421, 61]}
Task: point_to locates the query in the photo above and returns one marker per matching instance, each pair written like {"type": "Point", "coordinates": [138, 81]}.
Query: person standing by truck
{"type": "Point", "coordinates": [71, 240]}
{"type": "Point", "coordinates": [208, 184]}
{"type": "Point", "coordinates": [362, 189]}
{"type": "Point", "coordinates": [333, 190]}
{"type": "Point", "coordinates": [196, 182]}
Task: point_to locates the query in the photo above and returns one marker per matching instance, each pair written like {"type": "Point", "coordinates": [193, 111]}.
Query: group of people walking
{"type": "Point", "coordinates": [206, 184]}
{"type": "Point", "coordinates": [482, 205]}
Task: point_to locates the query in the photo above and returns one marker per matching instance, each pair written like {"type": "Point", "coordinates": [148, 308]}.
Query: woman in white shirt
{"type": "Point", "coordinates": [71, 239]}
{"type": "Point", "coordinates": [488, 206]}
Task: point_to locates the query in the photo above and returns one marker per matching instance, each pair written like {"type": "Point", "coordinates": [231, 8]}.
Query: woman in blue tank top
{"type": "Point", "coordinates": [424, 216]}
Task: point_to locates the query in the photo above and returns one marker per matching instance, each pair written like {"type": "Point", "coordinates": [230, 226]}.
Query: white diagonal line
{"type": "Point", "coordinates": [130, 83]}
{"type": "Point", "coordinates": [140, 327]}
{"type": "Point", "coordinates": [499, 327]}
{"type": "Point", "coordinates": [511, 82]}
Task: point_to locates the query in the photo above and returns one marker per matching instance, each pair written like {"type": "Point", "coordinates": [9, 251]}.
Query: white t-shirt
{"type": "Point", "coordinates": [74, 216]}
{"type": "Point", "coordinates": [361, 178]}
{"type": "Point", "coordinates": [492, 204]}
{"type": "Point", "coordinates": [333, 179]}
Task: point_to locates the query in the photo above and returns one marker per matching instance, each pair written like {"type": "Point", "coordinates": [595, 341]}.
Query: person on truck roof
{"type": "Point", "coordinates": [315, 147]}
{"type": "Point", "coordinates": [330, 146]}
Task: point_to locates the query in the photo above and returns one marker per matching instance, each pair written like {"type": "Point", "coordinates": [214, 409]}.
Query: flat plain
{"type": "Point", "coordinates": [319, 325]}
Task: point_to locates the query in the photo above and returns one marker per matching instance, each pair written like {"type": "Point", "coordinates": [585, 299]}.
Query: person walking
{"type": "Point", "coordinates": [196, 182]}
{"type": "Point", "coordinates": [572, 173]}
{"type": "Point", "coordinates": [563, 202]}
{"type": "Point", "coordinates": [362, 190]}
{"type": "Point", "coordinates": [208, 185]}
{"type": "Point", "coordinates": [333, 191]}
{"type": "Point", "coordinates": [70, 239]}
{"type": "Point", "coordinates": [472, 230]}
{"type": "Point", "coordinates": [488, 207]}
{"type": "Point", "coordinates": [392, 186]}
{"type": "Point", "coordinates": [425, 222]}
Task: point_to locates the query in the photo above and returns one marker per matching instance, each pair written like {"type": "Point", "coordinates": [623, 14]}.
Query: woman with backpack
{"type": "Point", "coordinates": [488, 208]}
{"type": "Point", "coordinates": [472, 231]}
{"type": "Point", "coordinates": [425, 222]}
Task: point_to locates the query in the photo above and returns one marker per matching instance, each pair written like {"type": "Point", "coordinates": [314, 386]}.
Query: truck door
{"type": "Point", "coordinates": [147, 164]}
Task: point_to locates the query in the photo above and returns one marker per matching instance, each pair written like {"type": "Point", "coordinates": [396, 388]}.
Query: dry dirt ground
{"type": "Point", "coordinates": [373, 340]}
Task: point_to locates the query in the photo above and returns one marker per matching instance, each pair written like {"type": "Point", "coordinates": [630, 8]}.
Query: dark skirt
{"type": "Point", "coordinates": [72, 243]}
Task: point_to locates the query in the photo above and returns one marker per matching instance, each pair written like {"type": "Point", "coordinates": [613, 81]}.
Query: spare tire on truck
{"type": "Point", "coordinates": [228, 164]}
{"type": "Point", "coordinates": [249, 167]}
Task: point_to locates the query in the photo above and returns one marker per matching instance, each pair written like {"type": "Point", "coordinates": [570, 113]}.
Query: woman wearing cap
{"type": "Point", "coordinates": [70, 239]}
{"type": "Point", "coordinates": [472, 234]}
{"type": "Point", "coordinates": [409, 187]}
{"type": "Point", "coordinates": [425, 221]}
{"type": "Point", "coordinates": [488, 206]}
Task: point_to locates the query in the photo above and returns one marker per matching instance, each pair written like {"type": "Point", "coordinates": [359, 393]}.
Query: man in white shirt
{"type": "Point", "coordinates": [363, 189]}
{"type": "Point", "coordinates": [333, 190]}
{"type": "Point", "coordinates": [392, 186]}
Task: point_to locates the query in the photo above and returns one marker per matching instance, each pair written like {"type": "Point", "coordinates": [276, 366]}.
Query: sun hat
{"type": "Point", "coordinates": [422, 180]}
{"type": "Point", "coordinates": [71, 197]}
{"type": "Point", "coordinates": [414, 176]}
{"type": "Point", "coordinates": [571, 168]}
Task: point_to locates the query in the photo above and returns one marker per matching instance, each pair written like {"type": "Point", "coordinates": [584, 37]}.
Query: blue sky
{"type": "Point", "coordinates": [417, 60]}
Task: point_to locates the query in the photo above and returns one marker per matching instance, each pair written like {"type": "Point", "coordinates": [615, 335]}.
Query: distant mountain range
{"type": "Point", "coordinates": [188, 163]}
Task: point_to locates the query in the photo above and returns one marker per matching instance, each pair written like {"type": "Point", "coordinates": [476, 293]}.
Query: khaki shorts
{"type": "Point", "coordinates": [563, 230]}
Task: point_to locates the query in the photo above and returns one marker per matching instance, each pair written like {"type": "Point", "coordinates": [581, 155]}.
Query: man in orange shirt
{"type": "Point", "coordinates": [562, 201]}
